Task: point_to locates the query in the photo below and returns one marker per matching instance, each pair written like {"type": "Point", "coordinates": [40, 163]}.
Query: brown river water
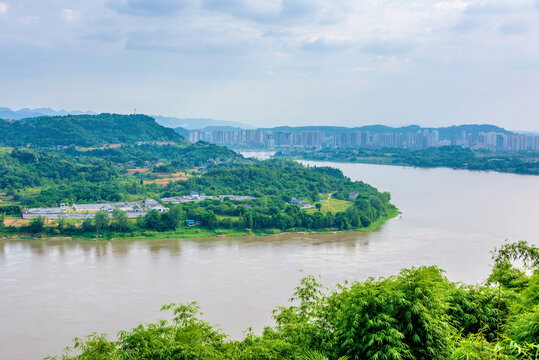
{"type": "Point", "coordinates": [53, 291]}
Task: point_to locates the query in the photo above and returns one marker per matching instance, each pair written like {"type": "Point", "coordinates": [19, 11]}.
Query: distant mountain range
{"type": "Point", "coordinates": [8, 114]}
{"type": "Point", "coordinates": [167, 121]}
{"type": "Point", "coordinates": [197, 124]}
{"type": "Point", "coordinates": [182, 125]}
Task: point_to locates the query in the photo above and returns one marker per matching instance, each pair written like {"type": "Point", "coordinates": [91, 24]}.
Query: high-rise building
{"type": "Point", "coordinates": [365, 138]}
{"type": "Point", "coordinates": [254, 137]}
{"type": "Point", "coordinates": [482, 140]}
{"type": "Point", "coordinates": [427, 138]}
{"type": "Point", "coordinates": [491, 140]}
{"type": "Point", "coordinates": [399, 140]}
{"type": "Point", "coordinates": [387, 139]}
{"type": "Point", "coordinates": [283, 138]}
{"type": "Point", "coordinates": [435, 137]}
{"type": "Point", "coordinates": [196, 136]}
{"type": "Point", "coordinates": [501, 141]}
{"type": "Point", "coordinates": [463, 137]}
{"type": "Point", "coordinates": [418, 139]}
{"type": "Point", "coordinates": [310, 138]}
{"type": "Point", "coordinates": [410, 139]}
{"type": "Point", "coordinates": [341, 139]}
{"type": "Point", "coordinates": [535, 143]}
{"type": "Point", "coordinates": [518, 142]}
{"type": "Point", "coordinates": [226, 137]}
{"type": "Point", "coordinates": [355, 138]}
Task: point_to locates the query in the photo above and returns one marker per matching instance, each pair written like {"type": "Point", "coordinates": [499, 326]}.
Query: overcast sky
{"type": "Point", "coordinates": [277, 62]}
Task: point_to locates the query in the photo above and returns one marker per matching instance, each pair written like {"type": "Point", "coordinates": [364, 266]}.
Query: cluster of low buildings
{"type": "Point", "coordinates": [137, 209]}
{"type": "Point", "coordinates": [132, 209]}
{"type": "Point", "coordinates": [88, 211]}
{"type": "Point", "coordinates": [304, 205]}
{"type": "Point", "coordinates": [196, 197]}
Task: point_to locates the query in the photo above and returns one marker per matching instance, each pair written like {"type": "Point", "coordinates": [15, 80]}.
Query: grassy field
{"type": "Point", "coordinates": [222, 217]}
{"type": "Point", "coordinates": [331, 204]}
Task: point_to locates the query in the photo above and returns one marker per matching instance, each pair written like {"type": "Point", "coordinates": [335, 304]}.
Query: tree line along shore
{"type": "Point", "coordinates": [456, 157]}
{"type": "Point", "coordinates": [259, 216]}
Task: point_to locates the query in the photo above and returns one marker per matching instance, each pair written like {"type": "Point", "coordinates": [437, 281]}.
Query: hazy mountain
{"type": "Point", "coordinates": [221, 128]}
{"type": "Point", "coordinates": [474, 129]}
{"type": "Point", "coordinates": [9, 114]}
{"type": "Point", "coordinates": [183, 132]}
{"type": "Point", "coordinates": [168, 121]}
{"type": "Point", "coordinates": [84, 130]}
{"type": "Point", "coordinates": [195, 124]}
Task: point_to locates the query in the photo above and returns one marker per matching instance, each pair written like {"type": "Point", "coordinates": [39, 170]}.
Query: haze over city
{"type": "Point", "coordinates": [270, 63]}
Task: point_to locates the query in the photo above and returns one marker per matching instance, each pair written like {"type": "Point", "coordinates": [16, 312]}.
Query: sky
{"type": "Point", "coordinates": [277, 62]}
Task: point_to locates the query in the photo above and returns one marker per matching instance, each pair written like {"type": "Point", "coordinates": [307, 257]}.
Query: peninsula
{"type": "Point", "coordinates": [147, 181]}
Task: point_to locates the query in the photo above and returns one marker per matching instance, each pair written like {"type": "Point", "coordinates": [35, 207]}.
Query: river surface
{"type": "Point", "coordinates": [53, 291]}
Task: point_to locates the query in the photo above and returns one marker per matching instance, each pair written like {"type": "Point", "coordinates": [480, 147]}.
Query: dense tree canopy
{"type": "Point", "coordinates": [177, 157]}
{"type": "Point", "coordinates": [32, 168]}
{"type": "Point", "coordinates": [274, 177]}
{"type": "Point", "coordinates": [99, 175]}
{"type": "Point", "coordinates": [84, 130]}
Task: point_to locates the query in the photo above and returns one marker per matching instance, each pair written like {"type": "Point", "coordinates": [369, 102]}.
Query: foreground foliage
{"type": "Point", "coordinates": [417, 314]}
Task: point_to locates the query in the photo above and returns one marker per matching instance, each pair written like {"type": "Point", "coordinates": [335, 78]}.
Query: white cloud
{"type": "Point", "coordinates": [3, 8]}
{"type": "Point", "coordinates": [452, 5]}
{"type": "Point", "coordinates": [326, 43]}
{"type": "Point", "coordinates": [385, 50]}
{"type": "Point", "coordinates": [69, 15]}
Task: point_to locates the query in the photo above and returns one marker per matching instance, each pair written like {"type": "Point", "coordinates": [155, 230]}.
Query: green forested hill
{"type": "Point", "coordinates": [180, 157]}
{"type": "Point", "coordinates": [63, 173]}
{"type": "Point", "coordinates": [274, 177]}
{"type": "Point", "coordinates": [31, 168]}
{"type": "Point", "coordinates": [84, 130]}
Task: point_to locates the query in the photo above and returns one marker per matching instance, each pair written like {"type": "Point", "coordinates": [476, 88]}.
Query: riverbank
{"type": "Point", "coordinates": [445, 157]}
{"type": "Point", "coordinates": [195, 233]}
{"type": "Point", "coordinates": [386, 162]}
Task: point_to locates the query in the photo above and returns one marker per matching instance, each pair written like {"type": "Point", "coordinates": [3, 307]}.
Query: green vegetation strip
{"type": "Point", "coordinates": [445, 156]}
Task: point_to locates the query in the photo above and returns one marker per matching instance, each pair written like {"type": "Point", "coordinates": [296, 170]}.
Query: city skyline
{"type": "Point", "coordinates": [399, 138]}
{"type": "Point", "coordinates": [278, 62]}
